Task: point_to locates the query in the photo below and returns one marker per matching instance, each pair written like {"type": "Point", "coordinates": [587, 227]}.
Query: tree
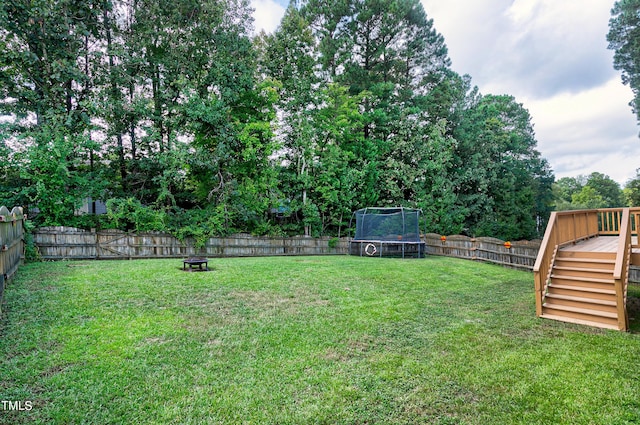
{"type": "Point", "coordinates": [583, 192]}
{"type": "Point", "coordinates": [45, 86]}
{"type": "Point", "coordinates": [499, 175]}
{"type": "Point", "coordinates": [608, 189]}
{"type": "Point", "coordinates": [623, 36]}
{"type": "Point", "coordinates": [632, 191]}
{"type": "Point", "coordinates": [170, 109]}
{"type": "Point", "coordinates": [389, 55]}
{"type": "Point", "coordinates": [587, 198]}
{"type": "Point", "coordinates": [438, 199]}
{"type": "Point", "coordinates": [340, 176]}
{"type": "Point", "coordinates": [289, 58]}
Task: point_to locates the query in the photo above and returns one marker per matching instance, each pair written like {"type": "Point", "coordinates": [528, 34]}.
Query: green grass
{"type": "Point", "coordinates": [302, 340]}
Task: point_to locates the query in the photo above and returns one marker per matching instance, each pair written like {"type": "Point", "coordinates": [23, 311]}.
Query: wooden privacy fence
{"type": "Point", "coordinates": [11, 244]}
{"type": "Point", "coordinates": [57, 243]}
{"type": "Point", "coordinates": [521, 254]}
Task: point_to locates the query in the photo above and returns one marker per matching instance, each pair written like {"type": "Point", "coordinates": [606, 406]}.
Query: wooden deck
{"type": "Point", "coordinates": [585, 281]}
{"type": "Point", "coordinates": [599, 244]}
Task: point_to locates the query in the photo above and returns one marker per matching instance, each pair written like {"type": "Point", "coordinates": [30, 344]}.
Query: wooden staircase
{"type": "Point", "coordinates": [581, 274]}
{"type": "Point", "coordinates": [581, 289]}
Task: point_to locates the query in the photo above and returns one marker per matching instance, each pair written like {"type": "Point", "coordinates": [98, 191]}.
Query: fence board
{"type": "Point", "coordinates": [11, 244]}
{"type": "Point", "coordinates": [57, 243]}
{"type": "Point", "coordinates": [521, 254]}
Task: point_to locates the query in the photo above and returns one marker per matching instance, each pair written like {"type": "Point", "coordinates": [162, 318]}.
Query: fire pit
{"type": "Point", "coordinates": [196, 261]}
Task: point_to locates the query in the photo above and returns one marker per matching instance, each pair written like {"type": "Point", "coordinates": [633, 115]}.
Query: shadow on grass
{"type": "Point", "coordinates": [633, 307]}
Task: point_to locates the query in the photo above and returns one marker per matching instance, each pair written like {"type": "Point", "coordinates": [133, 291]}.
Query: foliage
{"type": "Point", "coordinates": [199, 224]}
{"type": "Point", "coordinates": [586, 192]}
{"type": "Point", "coordinates": [171, 111]}
{"type": "Point", "coordinates": [632, 191]}
{"type": "Point", "coordinates": [607, 188]}
{"type": "Point", "coordinates": [624, 32]}
{"type": "Point", "coordinates": [333, 242]}
{"type": "Point", "coordinates": [31, 252]}
{"type": "Point", "coordinates": [130, 215]}
{"type": "Point", "coordinates": [502, 179]}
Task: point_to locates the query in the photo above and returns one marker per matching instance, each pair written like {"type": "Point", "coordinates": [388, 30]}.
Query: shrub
{"type": "Point", "coordinates": [129, 214]}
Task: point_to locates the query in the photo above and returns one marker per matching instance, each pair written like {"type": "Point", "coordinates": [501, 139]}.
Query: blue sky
{"type": "Point", "coordinates": [552, 56]}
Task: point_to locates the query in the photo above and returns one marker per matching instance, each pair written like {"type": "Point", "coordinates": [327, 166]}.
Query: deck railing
{"type": "Point", "coordinates": [570, 227]}
{"type": "Point", "coordinates": [610, 219]}
{"type": "Point", "coordinates": [635, 226]}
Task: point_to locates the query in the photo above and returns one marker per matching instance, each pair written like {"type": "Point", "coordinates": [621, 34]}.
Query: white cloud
{"type": "Point", "coordinates": [267, 15]}
{"type": "Point", "coordinates": [593, 130]}
{"type": "Point", "coordinates": [552, 56]}
{"type": "Point", "coordinates": [532, 47]}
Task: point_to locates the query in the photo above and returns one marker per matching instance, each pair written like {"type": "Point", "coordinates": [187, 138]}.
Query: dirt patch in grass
{"type": "Point", "coordinates": [54, 370]}
{"type": "Point", "coordinates": [444, 402]}
{"type": "Point", "coordinates": [353, 349]}
{"type": "Point", "coordinates": [203, 312]}
{"type": "Point", "coordinates": [155, 341]}
{"type": "Point", "coordinates": [268, 302]}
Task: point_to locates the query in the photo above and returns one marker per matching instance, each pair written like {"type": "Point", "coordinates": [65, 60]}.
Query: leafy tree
{"type": "Point", "coordinates": [608, 189]}
{"type": "Point", "coordinates": [587, 198]}
{"type": "Point", "coordinates": [168, 108]}
{"type": "Point", "coordinates": [46, 88]}
{"type": "Point", "coordinates": [594, 191]}
{"type": "Point", "coordinates": [388, 55]}
{"type": "Point", "coordinates": [565, 187]}
{"type": "Point", "coordinates": [437, 195]}
{"type": "Point", "coordinates": [288, 57]}
{"type": "Point", "coordinates": [623, 36]}
{"type": "Point", "coordinates": [500, 176]}
{"type": "Point", "coordinates": [341, 178]}
{"type": "Point", "coordinates": [632, 191]}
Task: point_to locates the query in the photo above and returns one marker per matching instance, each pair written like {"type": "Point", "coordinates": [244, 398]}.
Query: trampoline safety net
{"type": "Point", "coordinates": [387, 232]}
{"type": "Point", "coordinates": [387, 224]}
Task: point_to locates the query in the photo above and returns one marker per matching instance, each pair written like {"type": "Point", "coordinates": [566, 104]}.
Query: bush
{"type": "Point", "coordinates": [130, 215]}
{"type": "Point", "coordinates": [31, 252]}
{"type": "Point", "coordinates": [200, 224]}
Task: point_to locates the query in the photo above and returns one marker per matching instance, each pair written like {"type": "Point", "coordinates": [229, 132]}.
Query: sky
{"type": "Point", "coordinates": [552, 57]}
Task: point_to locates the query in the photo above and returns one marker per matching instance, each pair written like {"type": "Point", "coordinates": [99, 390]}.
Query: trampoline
{"type": "Point", "coordinates": [387, 232]}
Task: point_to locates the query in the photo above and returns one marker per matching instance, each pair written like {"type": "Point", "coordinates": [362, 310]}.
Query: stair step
{"type": "Point", "coordinates": [580, 321]}
{"type": "Point", "coordinates": [587, 300]}
{"type": "Point", "coordinates": [583, 289]}
{"type": "Point", "coordinates": [579, 310]}
{"type": "Point", "coordinates": [607, 265]}
{"type": "Point", "coordinates": [587, 260]}
{"type": "Point", "coordinates": [592, 255]}
{"type": "Point", "coordinates": [583, 279]}
{"type": "Point", "coordinates": [582, 273]}
{"type": "Point", "coordinates": [582, 269]}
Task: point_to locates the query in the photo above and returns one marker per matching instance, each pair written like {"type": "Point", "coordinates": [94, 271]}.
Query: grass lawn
{"type": "Point", "coordinates": [304, 340]}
